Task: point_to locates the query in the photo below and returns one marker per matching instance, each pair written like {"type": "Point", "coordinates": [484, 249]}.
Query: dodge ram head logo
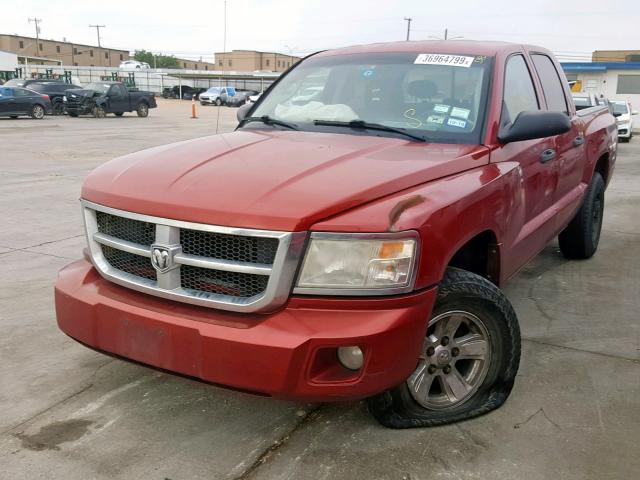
{"type": "Point", "coordinates": [162, 258]}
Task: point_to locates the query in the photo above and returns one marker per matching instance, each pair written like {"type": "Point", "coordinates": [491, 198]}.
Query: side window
{"type": "Point", "coordinates": [21, 92]}
{"type": "Point", "coordinates": [519, 92]}
{"type": "Point", "coordinates": [551, 83]}
{"type": "Point", "coordinates": [6, 92]}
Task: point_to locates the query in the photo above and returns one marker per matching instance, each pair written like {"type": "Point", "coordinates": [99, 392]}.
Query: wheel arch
{"type": "Point", "coordinates": [478, 253]}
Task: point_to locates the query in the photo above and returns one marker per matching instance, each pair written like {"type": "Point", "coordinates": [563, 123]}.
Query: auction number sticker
{"type": "Point", "coordinates": [440, 59]}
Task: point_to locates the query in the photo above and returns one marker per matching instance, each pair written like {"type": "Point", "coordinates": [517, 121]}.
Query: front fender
{"type": "Point", "coordinates": [447, 212]}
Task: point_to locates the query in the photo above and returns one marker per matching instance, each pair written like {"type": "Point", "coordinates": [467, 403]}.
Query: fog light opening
{"type": "Point", "coordinates": [351, 357]}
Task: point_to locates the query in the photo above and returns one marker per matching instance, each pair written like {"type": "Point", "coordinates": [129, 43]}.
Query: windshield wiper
{"type": "Point", "coordinates": [362, 125]}
{"type": "Point", "coordinates": [267, 120]}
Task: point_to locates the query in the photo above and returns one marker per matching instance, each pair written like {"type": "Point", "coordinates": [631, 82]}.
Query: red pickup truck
{"type": "Point", "coordinates": [348, 240]}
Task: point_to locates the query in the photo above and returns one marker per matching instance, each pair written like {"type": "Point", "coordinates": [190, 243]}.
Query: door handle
{"type": "Point", "coordinates": [579, 140]}
{"type": "Point", "coordinates": [547, 155]}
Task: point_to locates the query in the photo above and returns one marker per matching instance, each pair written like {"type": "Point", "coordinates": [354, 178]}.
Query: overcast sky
{"type": "Point", "coordinates": [194, 28]}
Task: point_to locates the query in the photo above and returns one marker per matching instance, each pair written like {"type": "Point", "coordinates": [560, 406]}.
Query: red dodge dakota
{"type": "Point", "coordinates": [349, 238]}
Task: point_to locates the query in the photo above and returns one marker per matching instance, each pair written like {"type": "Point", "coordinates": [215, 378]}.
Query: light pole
{"type": "Point", "coordinates": [37, 22]}
{"type": "Point", "coordinates": [446, 36]}
{"type": "Point", "coordinates": [98, 27]}
{"type": "Point", "coordinates": [408, 20]}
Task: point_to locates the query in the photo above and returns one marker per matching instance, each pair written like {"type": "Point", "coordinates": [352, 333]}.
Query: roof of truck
{"type": "Point", "coordinates": [456, 47]}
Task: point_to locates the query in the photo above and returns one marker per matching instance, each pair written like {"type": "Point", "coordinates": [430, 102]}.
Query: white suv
{"type": "Point", "coordinates": [624, 118]}
{"type": "Point", "coordinates": [133, 65]}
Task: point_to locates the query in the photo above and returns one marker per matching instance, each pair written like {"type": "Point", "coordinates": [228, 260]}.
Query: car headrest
{"type": "Point", "coordinates": [422, 89]}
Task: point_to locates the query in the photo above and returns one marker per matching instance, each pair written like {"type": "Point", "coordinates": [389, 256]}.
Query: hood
{"type": "Point", "coordinates": [280, 180]}
{"type": "Point", "coordinates": [80, 92]}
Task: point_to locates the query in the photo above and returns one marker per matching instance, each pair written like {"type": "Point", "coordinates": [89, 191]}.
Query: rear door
{"type": "Point", "coordinates": [570, 147]}
{"type": "Point", "coordinates": [24, 100]}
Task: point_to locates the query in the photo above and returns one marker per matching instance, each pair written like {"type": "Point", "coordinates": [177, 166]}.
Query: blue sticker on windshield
{"type": "Point", "coordinates": [368, 73]}
{"type": "Point", "coordinates": [454, 122]}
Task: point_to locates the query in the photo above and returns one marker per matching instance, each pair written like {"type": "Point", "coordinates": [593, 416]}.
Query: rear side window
{"type": "Point", "coordinates": [519, 92]}
{"type": "Point", "coordinates": [551, 83]}
{"type": "Point", "coordinates": [5, 92]}
{"type": "Point", "coordinates": [21, 92]}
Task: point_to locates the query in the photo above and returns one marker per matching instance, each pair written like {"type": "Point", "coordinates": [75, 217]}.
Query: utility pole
{"type": "Point", "coordinates": [98, 27]}
{"type": "Point", "coordinates": [446, 33]}
{"type": "Point", "coordinates": [408, 20]}
{"type": "Point", "coordinates": [37, 22]}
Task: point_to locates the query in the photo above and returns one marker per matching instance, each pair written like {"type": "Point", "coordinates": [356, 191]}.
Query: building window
{"type": "Point", "coordinates": [57, 48]}
{"type": "Point", "coordinates": [195, 66]}
{"type": "Point", "coordinates": [75, 64]}
{"type": "Point", "coordinates": [21, 44]}
{"type": "Point", "coordinates": [121, 57]}
{"type": "Point", "coordinates": [41, 47]}
{"type": "Point", "coordinates": [91, 54]}
{"type": "Point", "coordinates": [184, 64]}
{"type": "Point", "coordinates": [75, 51]}
{"type": "Point", "coordinates": [106, 55]}
{"type": "Point", "coordinates": [230, 62]}
{"type": "Point", "coordinates": [219, 63]}
{"type": "Point", "coordinates": [628, 84]}
{"type": "Point", "coordinates": [267, 62]}
{"type": "Point", "coordinates": [206, 67]}
{"type": "Point", "coordinates": [278, 63]}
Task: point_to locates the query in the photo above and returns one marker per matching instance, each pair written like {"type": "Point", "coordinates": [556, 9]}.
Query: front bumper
{"type": "Point", "coordinates": [290, 353]}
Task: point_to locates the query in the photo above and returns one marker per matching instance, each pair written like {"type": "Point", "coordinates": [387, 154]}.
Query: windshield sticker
{"type": "Point", "coordinates": [410, 115]}
{"type": "Point", "coordinates": [437, 119]}
{"type": "Point", "coordinates": [450, 60]}
{"type": "Point", "coordinates": [441, 108]}
{"type": "Point", "coordinates": [480, 59]}
{"type": "Point", "coordinates": [454, 122]}
{"type": "Point", "coordinates": [460, 112]}
{"type": "Point", "coordinates": [368, 73]}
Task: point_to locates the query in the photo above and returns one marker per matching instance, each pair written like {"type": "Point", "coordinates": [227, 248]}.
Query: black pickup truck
{"type": "Point", "coordinates": [100, 98]}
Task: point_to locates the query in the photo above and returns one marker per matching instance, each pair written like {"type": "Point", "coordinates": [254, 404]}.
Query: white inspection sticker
{"type": "Point", "coordinates": [460, 112]}
{"type": "Point", "coordinates": [440, 59]}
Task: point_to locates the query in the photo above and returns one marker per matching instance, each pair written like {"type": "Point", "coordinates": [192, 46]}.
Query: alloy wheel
{"type": "Point", "coordinates": [453, 363]}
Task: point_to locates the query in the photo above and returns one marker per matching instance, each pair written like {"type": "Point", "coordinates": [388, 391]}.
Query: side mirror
{"type": "Point", "coordinates": [534, 124]}
{"type": "Point", "coordinates": [616, 114]}
{"type": "Point", "coordinates": [243, 111]}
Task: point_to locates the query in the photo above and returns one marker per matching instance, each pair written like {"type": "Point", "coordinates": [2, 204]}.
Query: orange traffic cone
{"type": "Point", "coordinates": [193, 107]}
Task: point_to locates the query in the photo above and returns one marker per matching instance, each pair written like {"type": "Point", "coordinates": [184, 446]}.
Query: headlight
{"type": "Point", "coordinates": [358, 264]}
{"type": "Point", "coordinates": [64, 98]}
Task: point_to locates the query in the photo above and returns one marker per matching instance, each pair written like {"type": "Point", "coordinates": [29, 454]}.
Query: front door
{"type": "Point", "coordinates": [532, 224]}
{"type": "Point", "coordinates": [7, 101]}
{"type": "Point", "coordinates": [118, 98]}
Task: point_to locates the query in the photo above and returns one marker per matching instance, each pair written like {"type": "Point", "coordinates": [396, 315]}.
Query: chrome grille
{"type": "Point", "coordinates": [142, 233]}
{"type": "Point", "coordinates": [229, 247]}
{"type": "Point", "coordinates": [225, 283]}
{"type": "Point", "coordinates": [223, 267]}
{"type": "Point", "coordinates": [129, 262]}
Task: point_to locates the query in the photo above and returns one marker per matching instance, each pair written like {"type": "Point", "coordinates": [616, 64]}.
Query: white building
{"type": "Point", "coordinates": [615, 80]}
{"type": "Point", "coordinates": [8, 63]}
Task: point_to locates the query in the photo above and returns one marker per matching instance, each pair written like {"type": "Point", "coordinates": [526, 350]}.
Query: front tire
{"type": "Point", "coordinates": [469, 361]}
{"type": "Point", "coordinates": [119, 114]}
{"type": "Point", "coordinates": [581, 237]}
{"type": "Point", "coordinates": [58, 108]}
{"type": "Point", "coordinates": [37, 112]}
{"type": "Point", "coordinates": [143, 110]}
{"type": "Point", "coordinates": [99, 112]}
{"type": "Point", "coordinates": [218, 102]}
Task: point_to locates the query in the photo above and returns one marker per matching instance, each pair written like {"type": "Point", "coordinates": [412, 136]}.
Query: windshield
{"type": "Point", "coordinates": [214, 90]}
{"type": "Point", "coordinates": [440, 97]}
{"type": "Point", "coordinates": [620, 107]}
{"type": "Point", "coordinates": [98, 87]}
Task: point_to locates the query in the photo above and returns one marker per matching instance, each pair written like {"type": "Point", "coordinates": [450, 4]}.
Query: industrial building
{"type": "Point", "coordinates": [252, 60]}
{"type": "Point", "coordinates": [53, 52]}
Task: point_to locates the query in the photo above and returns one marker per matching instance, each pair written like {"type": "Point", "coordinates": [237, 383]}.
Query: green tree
{"type": "Point", "coordinates": [160, 61]}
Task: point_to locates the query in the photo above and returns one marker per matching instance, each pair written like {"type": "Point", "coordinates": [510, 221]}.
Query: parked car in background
{"type": "Point", "coordinates": [187, 92]}
{"type": "Point", "coordinates": [240, 98]}
{"type": "Point", "coordinates": [624, 118]}
{"type": "Point", "coordinates": [134, 65]}
{"type": "Point", "coordinates": [17, 101]}
{"type": "Point", "coordinates": [216, 95]}
{"type": "Point", "coordinates": [352, 246]}
{"type": "Point", "coordinates": [101, 98]}
{"type": "Point", "coordinates": [254, 98]}
{"type": "Point", "coordinates": [55, 91]}
{"type": "Point", "coordinates": [25, 82]}
{"type": "Point", "coordinates": [585, 100]}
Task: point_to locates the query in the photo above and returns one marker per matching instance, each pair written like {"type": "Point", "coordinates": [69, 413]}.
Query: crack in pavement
{"type": "Point", "coordinates": [575, 349]}
{"type": "Point", "coordinates": [264, 457]}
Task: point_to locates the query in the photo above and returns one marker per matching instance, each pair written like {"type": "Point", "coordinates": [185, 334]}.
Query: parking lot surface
{"type": "Point", "coordinates": [68, 412]}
